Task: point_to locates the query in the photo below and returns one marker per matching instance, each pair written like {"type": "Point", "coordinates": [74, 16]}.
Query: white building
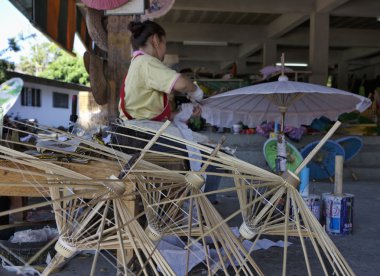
{"type": "Point", "coordinates": [48, 101]}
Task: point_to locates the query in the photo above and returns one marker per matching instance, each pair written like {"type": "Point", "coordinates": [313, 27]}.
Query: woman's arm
{"type": "Point", "coordinates": [184, 85]}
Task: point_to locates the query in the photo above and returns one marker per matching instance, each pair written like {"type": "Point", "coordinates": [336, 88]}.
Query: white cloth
{"type": "Point", "coordinates": [171, 129]}
{"type": "Point", "coordinates": [172, 248]}
{"type": "Point", "coordinates": [197, 95]}
{"type": "Point", "coordinates": [180, 121]}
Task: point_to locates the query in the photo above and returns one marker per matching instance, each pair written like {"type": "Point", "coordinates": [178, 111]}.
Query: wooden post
{"type": "Point", "coordinates": [119, 57]}
{"type": "Point", "coordinates": [338, 186]}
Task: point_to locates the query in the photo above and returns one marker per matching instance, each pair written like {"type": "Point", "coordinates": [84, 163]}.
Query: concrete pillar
{"type": "Point", "coordinates": [319, 47]}
{"type": "Point", "coordinates": [343, 75]}
{"type": "Point", "coordinates": [242, 66]}
{"type": "Point", "coordinates": [270, 53]}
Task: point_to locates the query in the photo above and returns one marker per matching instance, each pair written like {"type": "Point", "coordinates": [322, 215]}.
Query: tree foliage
{"type": "Point", "coordinates": [41, 55]}
{"type": "Point", "coordinates": [66, 68]}
{"type": "Point", "coordinates": [48, 61]}
{"type": "Point", "coordinates": [4, 66]}
{"type": "Point", "coordinates": [13, 46]}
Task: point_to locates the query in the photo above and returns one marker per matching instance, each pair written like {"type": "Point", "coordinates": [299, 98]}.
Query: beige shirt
{"type": "Point", "coordinates": [147, 79]}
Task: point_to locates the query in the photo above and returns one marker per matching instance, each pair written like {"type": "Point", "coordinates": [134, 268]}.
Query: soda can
{"type": "Point", "coordinates": [313, 202]}
{"type": "Point", "coordinates": [338, 213]}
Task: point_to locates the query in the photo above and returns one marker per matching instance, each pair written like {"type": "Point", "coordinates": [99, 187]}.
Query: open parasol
{"type": "Point", "coordinates": [301, 102]}
{"type": "Point", "coordinates": [322, 166]}
{"type": "Point", "coordinates": [104, 5]}
{"type": "Point", "coordinates": [157, 8]}
{"type": "Point", "coordinates": [293, 156]}
{"type": "Point", "coordinates": [271, 70]}
{"type": "Point", "coordinates": [9, 93]}
{"type": "Point", "coordinates": [352, 146]}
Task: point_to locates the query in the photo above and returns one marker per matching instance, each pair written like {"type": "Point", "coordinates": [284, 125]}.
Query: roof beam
{"type": "Point", "coordinates": [339, 37]}
{"type": "Point", "coordinates": [365, 64]}
{"type": "Point", "coordinates": [285, 23]}
{"type": "Point", "coordinates": [246, 6]}
{"type": "Point", "coordinates": [359, 53]}
{"type": "Point", "coordinates": [236, 34]}
{"type": "Point", "coordinates": [277, 28]}
{"type": "Point", "coordinates": [326, 6]}
{"type": "Point", "coordinates": [212, 66]}
{"type": "Point", "coordinates": [202, 53]}
{"type": "Point", "coordinates": [362, 8]}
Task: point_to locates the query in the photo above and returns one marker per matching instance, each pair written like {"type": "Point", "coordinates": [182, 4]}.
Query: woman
{"type": "Point", "coordinates": [146, 88]}
{"type": "Point", "coordinates": [145, 92]}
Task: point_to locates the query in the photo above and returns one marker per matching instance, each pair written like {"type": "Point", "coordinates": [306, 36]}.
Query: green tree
{"type": "Point", "coordinates": [48, 61]}
{"type": "Point", "coordinates": [41, 55]}
{"type": "Point", "coordinates": [13, 46]}
{"type": "Point", "coordinates": [68, 69]}
{"type": "Point", "coordinates": [4, 67]}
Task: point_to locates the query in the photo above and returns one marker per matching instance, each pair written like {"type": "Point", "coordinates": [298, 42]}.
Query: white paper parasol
{"type": "Point", "coordinates": [302, 103]}
{"type": "Point", "coordinates": [104, 5]}
{"type": "Point", "coordinates": [271, 70]}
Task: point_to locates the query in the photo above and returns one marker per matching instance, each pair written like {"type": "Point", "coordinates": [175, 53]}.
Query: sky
{"type": "Point", "coordinates": [13, 23]}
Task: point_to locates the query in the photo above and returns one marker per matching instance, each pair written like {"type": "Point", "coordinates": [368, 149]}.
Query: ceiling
{"type": "Point", "coordinates": [245, 31]}
{"type": "Point", "coordinates": [243, 27]}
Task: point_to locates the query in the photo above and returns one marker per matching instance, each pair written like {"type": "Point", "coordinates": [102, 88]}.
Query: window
{"type": "Point", "coordinates": [60, 100]}
{"type": "Point", "coordinates": [30, 97]}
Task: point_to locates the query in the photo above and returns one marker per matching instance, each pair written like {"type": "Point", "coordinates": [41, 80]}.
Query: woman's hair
{"type": "Point", "coordinates": [141, 31]}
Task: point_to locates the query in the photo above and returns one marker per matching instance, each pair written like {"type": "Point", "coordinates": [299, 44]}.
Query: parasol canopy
{"type": "Point", "coordinates": [270, 70]}
{"type": "Point", "coordinates": [293, 160]}
{"type": "Point", "coordinates": [322, 166]}
{"type": "Point", "coordinates": [301, 102]}
{"type": "Point", "coordinates": [352, 146]}
{"type": "Point", "coordinates": [104, 5]}
{"type": "Point", "coordinates": [157, 8]}
{"type": "Point", "coordinates": [9, 93]}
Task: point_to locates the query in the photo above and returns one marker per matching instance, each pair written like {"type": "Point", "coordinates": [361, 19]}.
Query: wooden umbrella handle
{"type": "Point", "coordinates": [318, 147]}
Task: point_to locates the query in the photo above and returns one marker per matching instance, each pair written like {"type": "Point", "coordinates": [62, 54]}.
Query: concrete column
{"type": "Point", "coordinates": [343, 75]}
{"type": "Point", "coordinates": [242, 66]}
{"type": "Point", "coordinates": [319, 47]}
{"type": "Point", "coordinates": [270, 53]}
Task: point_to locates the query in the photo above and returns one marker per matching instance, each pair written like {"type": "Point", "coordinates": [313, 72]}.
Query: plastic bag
{"type": "Point", "coordinates": [39, 235]}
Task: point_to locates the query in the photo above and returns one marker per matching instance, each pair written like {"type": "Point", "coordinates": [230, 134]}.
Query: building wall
{"type": "Point", "coordinates": [46, 114]}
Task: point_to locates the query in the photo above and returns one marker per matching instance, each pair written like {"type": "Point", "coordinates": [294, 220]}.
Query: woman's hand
{"type": "Point", "coordinates": [196, 95]}
{"type": "Point", "coordinates": [197, 111]}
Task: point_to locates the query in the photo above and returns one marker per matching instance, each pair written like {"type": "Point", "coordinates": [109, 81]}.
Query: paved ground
{"type": "Point", "coordinates": [360, 249]}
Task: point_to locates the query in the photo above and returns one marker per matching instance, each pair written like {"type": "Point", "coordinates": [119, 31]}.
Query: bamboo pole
{"type": "Point", "coordinates": [338, 185]}
{"type": "Point", "coordinates": [103, 220]}
{"type": "Point", "coordinates": [317, 147]}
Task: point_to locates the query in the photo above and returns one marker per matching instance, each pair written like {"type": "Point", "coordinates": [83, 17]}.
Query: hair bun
{"type": "Point", "coordinates": [136, 28]}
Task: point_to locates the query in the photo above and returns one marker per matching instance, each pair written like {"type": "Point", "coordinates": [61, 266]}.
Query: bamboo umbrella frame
{"type": "Point", "coordinates": [95, 210]}
{"type": "Point", "coordinates": [85, 230]}
{"type": "Point", "coordinates": [164, 194]}
{"type": "Point", "coordinates": [265, 208]}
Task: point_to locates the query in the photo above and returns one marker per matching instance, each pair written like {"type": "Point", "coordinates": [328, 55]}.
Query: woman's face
{"type": "Point", "coordinates": [160, 47]}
